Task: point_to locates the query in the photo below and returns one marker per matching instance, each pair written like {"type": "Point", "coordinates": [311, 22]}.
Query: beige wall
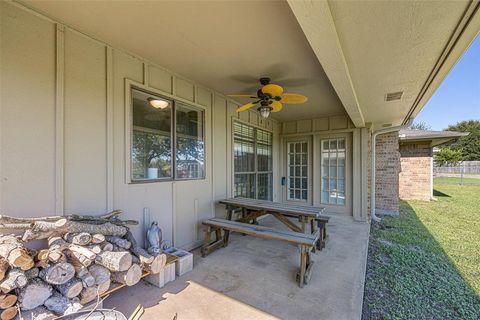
{"type": "Point", "coordinates": [333, 126]}
{"type": "Point", "coordinates": [63, 130]}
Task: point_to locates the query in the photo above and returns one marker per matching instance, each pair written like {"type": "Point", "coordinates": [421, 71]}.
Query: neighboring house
{"type": "Point", "coordinates": [405, 166]}
{"type": "Point", "coordinates": [103, 102]}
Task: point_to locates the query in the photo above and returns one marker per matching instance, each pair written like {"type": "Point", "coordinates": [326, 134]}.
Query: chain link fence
{"type": "Point", "coordinates": [464, 173]}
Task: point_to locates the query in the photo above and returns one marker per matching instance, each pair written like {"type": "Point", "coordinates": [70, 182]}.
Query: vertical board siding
{"type": "Point", "coordinates": [63, 130]}
{"type": "Point", "coordinates": [28, 113]}
{"type": "Point", "coordinates": [85, 125]}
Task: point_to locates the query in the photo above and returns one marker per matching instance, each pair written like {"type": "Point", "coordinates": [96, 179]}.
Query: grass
{"type": "Point", "coordinates": [425, 264]}
{"type": "Point", "coordinates": [456, 180]}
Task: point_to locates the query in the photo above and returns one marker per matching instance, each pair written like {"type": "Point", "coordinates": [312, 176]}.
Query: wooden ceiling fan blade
{"type": "Point", "coordinates": [276, 106]}
{"type": "Point", "coordinates": [273, 89]}
{"type": "Point", "coordinates": [246, 106]}
{"type": "Point", "coordinates": [293, 98]}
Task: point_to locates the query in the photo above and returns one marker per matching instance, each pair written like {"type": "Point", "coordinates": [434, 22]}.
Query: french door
{"type": "Point", "coordinates": [333, 172]}
{"type": "Point", "coordinates": [298, 170]}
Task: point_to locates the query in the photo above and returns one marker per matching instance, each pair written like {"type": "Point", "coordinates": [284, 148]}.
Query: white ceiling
{"type": "Point", "coordinates": [367, 48]}
{"type": "Point", "coordinates": [218, 44]}
{"type": "Point", "coordinates": [387, 46]}
{"type": "Point", "coordinates": [395, 51]}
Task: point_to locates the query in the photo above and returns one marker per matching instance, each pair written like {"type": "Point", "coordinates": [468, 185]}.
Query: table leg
{"type": "Point", "coordinates": [206, 242]}
{"type": "Point", "coordinates": [302, 220]}
{"type": "Point", "coordinates": [226, 233]}
{"type": "Point", "coordinates": [303, 266]}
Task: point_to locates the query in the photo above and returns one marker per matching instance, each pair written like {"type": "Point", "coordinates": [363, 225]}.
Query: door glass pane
{"type": "Point", "coordinates": [298, 170]}
{"type": "Point", "coordinates": [265, 186]}
{"type": "Point", "coordinates": [333, 171]}
{"type": "Point", "coordinates": [245, 185]}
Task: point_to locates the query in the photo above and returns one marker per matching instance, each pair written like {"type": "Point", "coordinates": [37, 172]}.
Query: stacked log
{"type": "Point", "coordinates": [85, 257]}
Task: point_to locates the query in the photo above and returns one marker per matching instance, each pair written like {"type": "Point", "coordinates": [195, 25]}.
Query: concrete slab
{"type": "Point", "coordinates": [255, 279]}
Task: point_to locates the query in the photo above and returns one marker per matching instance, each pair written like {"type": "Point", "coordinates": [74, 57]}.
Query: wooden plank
{"type": "Point", "coordinates": [264, 232]}
{"type": "Point", "coordinates": [287, 222]}
{"type": "Point", "coordinates": [272, 203]}
{"type": "Point", "coordinates": [284, 208]}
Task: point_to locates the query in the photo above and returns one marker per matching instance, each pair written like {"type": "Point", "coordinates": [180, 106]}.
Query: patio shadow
{"type": "Point", "coordinates": [410, 276]}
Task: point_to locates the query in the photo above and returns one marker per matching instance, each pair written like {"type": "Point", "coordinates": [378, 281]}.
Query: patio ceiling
{"type": "Point", "coordinates": [371, 48]}
{"type": "Point", "coordinates": [217, 44]}
{"type": "Point", "coordinates": [366, 49]}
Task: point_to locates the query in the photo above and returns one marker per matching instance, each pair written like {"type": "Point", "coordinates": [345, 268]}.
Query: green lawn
{"type": "Point", "coordinates": [425, 264]}
{"type": "Point", "coordinates": [454, 180]}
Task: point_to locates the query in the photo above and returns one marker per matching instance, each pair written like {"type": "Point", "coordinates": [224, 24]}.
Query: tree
{"type": "Point", "coordinates": [448, 156]}
{"type": "Point", "coordinates": [421, 125]}
{"type": "Point", "coordinates": [469, 146]}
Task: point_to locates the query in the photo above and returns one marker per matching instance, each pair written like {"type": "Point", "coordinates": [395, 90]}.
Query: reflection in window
{"type": "Point", "coordinates": [190, 151]}
{"type": "Point", "coordinates": [151, 137]}
{"type": "Point", "coordinates": [333, 171]}
{"type": "Point", "coordinates": [252, 151]}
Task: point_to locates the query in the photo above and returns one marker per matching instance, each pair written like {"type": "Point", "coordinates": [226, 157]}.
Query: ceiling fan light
{"type": "Point", "coordinates": [158, 104]}
{"type": "Point", "coordinates": [264, 111]}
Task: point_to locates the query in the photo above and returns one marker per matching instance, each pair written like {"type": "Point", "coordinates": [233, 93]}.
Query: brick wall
{"type": "Point", "coordinates": [415, 171]}
{"type": "Point", "coordinates": [387, 165]}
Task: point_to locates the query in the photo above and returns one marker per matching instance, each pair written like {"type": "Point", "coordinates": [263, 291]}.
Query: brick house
{"type": "Point", "coordinates": [404, 166]}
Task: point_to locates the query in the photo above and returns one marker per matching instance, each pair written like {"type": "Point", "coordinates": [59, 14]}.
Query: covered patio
{"type": "Point", "coordinates": [253, 278]}
{"type": "Point", "coordinates": [139, 106]}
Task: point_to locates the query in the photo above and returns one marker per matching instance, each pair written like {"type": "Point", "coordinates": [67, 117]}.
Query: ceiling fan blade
{"type": "Point", "coordinates": [276, 106]}
{"type": "Point", "coordinates": [274, 89]}
{"type": "Point", "coordinates": [246, 106]}
{"type": "Point", "coordinates": [293, 98]}
{"type": "Point", "coordinates": [241, 95]}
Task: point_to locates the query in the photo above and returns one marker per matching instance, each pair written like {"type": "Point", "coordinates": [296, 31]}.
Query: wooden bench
{"type": "Point", "coordinates": [306, 242]}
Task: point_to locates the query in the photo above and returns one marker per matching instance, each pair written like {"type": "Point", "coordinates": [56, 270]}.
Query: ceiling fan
{"type": "Point", "coordinates": [270, 97]}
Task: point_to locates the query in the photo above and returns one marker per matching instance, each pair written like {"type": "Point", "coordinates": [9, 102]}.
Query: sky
{"type": "Point", "coordinates": [458, 97]}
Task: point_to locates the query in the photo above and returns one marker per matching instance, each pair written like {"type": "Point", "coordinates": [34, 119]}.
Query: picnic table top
{"type": "Point", "coordinates": [284, 208]}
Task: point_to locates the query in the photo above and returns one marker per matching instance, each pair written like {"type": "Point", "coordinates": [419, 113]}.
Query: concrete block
{"type": "Point", "coordinates": [163, 277]}
{"type": "Point", "coordinates": [184, 263]}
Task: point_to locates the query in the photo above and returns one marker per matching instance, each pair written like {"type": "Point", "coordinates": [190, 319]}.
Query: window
{"type": "Point", "coordinates": [333, 171]}
{"type": "Point", "coordinates": [297, 161]}
{"type": "Point", "coordinates": [252, 162]}
{"type": "Point", "coordinates": [153, 138]}
{"type": "Point", "coordinates": [190, 142]}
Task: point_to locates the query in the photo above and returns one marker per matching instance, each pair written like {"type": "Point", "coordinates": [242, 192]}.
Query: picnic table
{"type": "Point", "coordinates": [247, 224]}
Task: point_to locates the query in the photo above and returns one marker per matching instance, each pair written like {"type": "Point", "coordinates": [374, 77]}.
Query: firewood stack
{"type": "Point", "coordinates": [86, 256]}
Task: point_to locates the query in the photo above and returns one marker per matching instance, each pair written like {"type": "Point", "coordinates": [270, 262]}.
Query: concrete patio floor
{"type": "Point", "coordinates": [254, 278]}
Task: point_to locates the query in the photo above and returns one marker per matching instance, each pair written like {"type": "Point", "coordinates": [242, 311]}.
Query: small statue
{"type": "Point", "coordinates": [154, 236]}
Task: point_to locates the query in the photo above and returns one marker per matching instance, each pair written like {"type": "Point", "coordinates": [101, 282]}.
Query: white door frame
{"type": "Point", "coordinates": [317, 187]}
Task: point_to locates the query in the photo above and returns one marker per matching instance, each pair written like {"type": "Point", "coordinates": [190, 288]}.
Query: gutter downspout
{"type": "Point", "coordinates": [374, 142]}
